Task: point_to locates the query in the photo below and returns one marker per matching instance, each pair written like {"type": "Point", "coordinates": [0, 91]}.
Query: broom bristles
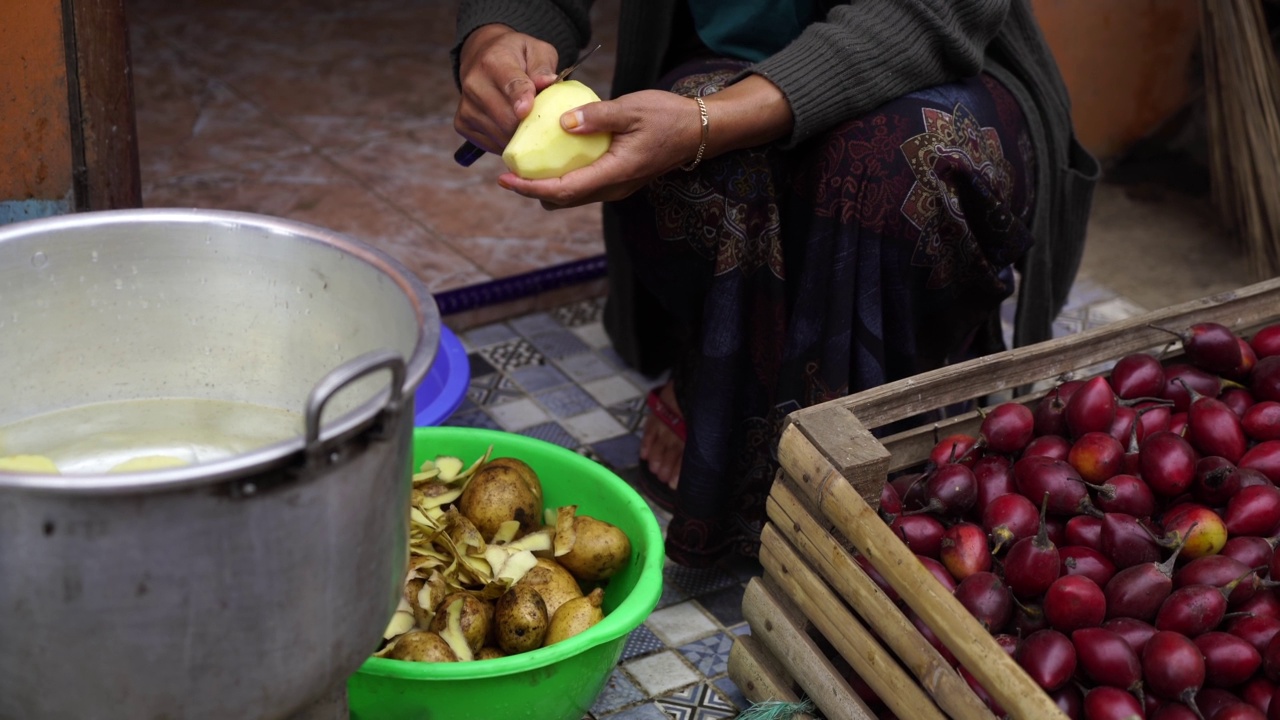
{"type": "Point", "coordinates": [1242, 94]}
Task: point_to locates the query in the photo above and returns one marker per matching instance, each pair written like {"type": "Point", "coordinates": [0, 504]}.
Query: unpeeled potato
{"type": "Point", "coordinates": [496, 494]}
{"type": "Point", "coordinates": [574, 617]}
{"type": "Point", "coordinates": [476, 618]}
{"type": "Point", "coordinates": [422, 646]}
{"type": "Point", "coordinates": [520, 619]}
{"type": "Point", "coordinates": [555, 584]}
{"type": "Point", "coordinates": [599, 550]}
{"type": "Point", "coordinates": [526, 473]}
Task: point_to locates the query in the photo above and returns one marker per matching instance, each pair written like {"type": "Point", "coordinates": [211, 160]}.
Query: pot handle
{"type": "Point", "coordinates": [344, 375]}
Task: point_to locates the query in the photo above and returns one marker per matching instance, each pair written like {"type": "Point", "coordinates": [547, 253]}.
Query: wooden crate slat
{"type": "Point", "coordinates": [800, 656]}
{"type": "Point", "coordinates": [1246, 307]}
{"type": "Point", "coordinates": [846, 633]}
{"type": "Point", "coordinates": [759, 675]}
{"type": "Point", "coordinates": [973, 646]}
{"type": "Point", "coordinates": [862, 459]}
{"type": "Point", "coordinates": [791, 516]}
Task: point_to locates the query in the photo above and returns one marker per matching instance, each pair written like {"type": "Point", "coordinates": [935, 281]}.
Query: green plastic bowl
{"type": "Point", "coordinates": [560, 682]}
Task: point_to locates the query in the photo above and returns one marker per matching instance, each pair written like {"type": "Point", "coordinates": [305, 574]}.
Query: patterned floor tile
{"type": "Point", "coordinates": [699, 581]}
{"type": "Point", "coordinates": [493, 389]}
{"type": "Point", "coordinates": [611, 390]}
{"type": "Point", "coordinates": [478, 366]}
{"type": "Point", "coordinates": [567, 401]}
{"type": "Point", "coordinates": [700, 702]}
{"type": "Point", "coordinates": [518, 415]}
{"type": "Point", "coordinates": [534, 378]}
{"type": "Point", "coordinates": [553, 433]}
{"type": "Point", "coordinates": [724, 605]}
{"type": "Point", "coordinates": [680, 624]}
{"type": "Point", "coordinates": [661, 673]}
{"type": "Point", "coordinates": [559, 344]}
{"type": "Point", "coordinates": [619, 452]}
{"type": "Point", "coordinates": [511, 354]}
{"type": "Point", "coordinates": [732, 693]}
{"type": "Point", "coordinates": [586, 366]}
{"type": "Point", "coordinates": [709, 655]}
{"type": "Point", "coordinates": [671, 594]}
{"type": "Point", "coordinates": [475, 419]}
{"type": "Point", "coordinates": [648, 711]}
{"type": "Point", "coordinates": [641, 642]}
{"type": "Point", "coordinates": [579, 314]}
{"type": "Point", "coordinates": [594, 426]}
{"type": "Point", "coordinates": [487, 335]}
{"type": "Point", "coordinates": [630, 413]}
{"type": "Point", "coordinates": [618, 692]}
{"type": "Point", "coordinates": [593, 335]}
{"type": "Point", "coordinates": [534, 323]}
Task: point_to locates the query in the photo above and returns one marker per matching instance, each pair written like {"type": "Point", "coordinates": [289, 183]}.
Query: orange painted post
{"type": "Point", "coordinates": [35, 123]}
{"type": "Point", "coordinates": [1128, 65]}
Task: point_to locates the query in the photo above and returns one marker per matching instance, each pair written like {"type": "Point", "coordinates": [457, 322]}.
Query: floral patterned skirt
{"type": "Point", "coordinates": [788, 277]}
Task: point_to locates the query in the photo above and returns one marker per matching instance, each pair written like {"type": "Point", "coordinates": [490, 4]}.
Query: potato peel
{"type": "Point", "coordinates": [453, 634]}
{"type": "Point", "coordinates": [506, 532]}
{"type": "Point", "coordinates": [565, 533]}
{"type": "Point", "coordinates": [449, 467]}
{"type": "Point", "coordinates": [401, 622]}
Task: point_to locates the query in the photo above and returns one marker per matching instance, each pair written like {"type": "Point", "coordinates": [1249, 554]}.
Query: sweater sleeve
{"type": "Point", "coordinates": [566, 24]}
{"type": "Point", "coordinates": [867, 52]}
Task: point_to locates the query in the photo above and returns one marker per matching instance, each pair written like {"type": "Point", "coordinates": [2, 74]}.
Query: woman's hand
{"type": "Point", "coordinates": [653, 133]}
{"type": "Point", "coordinates": [500, 71]}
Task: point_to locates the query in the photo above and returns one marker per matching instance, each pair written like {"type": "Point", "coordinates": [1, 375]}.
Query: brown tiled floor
{"type": "Point", "coordinates": [338, 114]}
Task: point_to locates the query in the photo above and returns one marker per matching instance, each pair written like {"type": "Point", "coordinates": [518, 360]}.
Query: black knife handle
{"type": "Point", "coordinates": [467, 154]}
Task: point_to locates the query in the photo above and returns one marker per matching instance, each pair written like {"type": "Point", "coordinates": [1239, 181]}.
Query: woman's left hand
{"type": "Point", "coordinates": [654, 132]}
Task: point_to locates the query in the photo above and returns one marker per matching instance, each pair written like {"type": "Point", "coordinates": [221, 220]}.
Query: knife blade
{"type": "Point", "coordinates": [468, 152]}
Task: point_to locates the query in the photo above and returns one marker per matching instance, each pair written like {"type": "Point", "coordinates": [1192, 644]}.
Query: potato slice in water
{"type": "Point", "coordinates": [148, 462]}
{"type": "Point", "coordinates": [36, 464]}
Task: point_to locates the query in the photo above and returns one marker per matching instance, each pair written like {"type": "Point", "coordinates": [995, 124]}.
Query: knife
{"type": "Point", "coordinates": [468, 153]}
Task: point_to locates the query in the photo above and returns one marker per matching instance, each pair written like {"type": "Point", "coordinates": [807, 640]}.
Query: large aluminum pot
{"type": "Point", "coordinates": [246, 586]}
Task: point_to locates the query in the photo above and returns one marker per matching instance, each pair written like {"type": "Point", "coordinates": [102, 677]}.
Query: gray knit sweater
{"type": "Point", "coordinates": [865, 53]}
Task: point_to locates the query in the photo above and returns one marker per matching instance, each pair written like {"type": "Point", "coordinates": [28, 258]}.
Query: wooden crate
{"type": "Point", "coordinates": [822, 511]}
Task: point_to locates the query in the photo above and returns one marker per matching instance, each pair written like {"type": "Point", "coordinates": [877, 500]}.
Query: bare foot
{"type": "Point", "coordinates": [661, 448]}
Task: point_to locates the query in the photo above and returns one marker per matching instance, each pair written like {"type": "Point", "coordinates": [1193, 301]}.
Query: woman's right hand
{"type": "Point", "coordinates": [500, 71]}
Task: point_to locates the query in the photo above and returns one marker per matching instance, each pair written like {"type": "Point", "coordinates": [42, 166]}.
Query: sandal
{"type": "Point", "coordinates": [665, 414]}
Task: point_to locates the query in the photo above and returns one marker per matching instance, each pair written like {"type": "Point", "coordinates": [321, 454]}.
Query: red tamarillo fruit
{"type": "Point", "coordinates": [1173, 667]}
{"type": "Point", "coordinates": [1091, 408]}
{"type": "Point", "coordinates": [1032, 563]}
{"type": "Point", "coordinates": [1048, 657]}
{"type": "Point", "coordinates": [1167, 463]}
{"type": "Point", "coordinates": [1137, 375]}
{"type": "Point", "coordinates": [1008, 427]}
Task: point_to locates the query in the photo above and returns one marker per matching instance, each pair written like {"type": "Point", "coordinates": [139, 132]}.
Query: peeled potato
{"type": "Point", "coordinates": [148, 462]}
{"type": "Point", "coordinates": [541, 148]}
{"type": "Point", "coordinates": [37, 464]}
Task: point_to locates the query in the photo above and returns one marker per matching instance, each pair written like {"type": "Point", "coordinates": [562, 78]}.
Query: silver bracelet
{"type": "Point", "coordinates": [706, 131]}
